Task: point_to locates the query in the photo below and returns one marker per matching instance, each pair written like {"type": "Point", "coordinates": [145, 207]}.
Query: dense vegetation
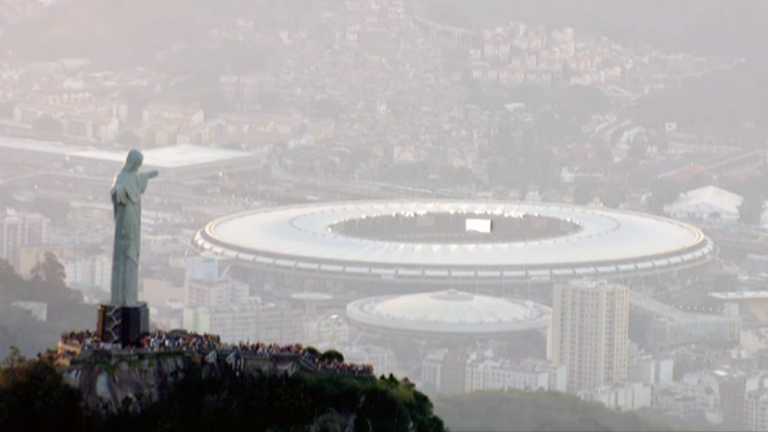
{"type": "Point", "coordinates": [45, 284]}
{"type": "Point", "coordinates": [34, 397]}
{"type": "Point", "coordinates": [541, 411]}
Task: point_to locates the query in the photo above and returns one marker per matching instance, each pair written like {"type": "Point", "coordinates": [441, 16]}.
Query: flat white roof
{"type": "Point", "coordinates": [177, 156]}
{"type": "Point", "coordinates": [301, 234]}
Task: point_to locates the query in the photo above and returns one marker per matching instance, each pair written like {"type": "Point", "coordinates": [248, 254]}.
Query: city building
{"type": "Point", "coordinates": [590, 332]}
{"type": "Point", "coordinates": [242, 89]}
{"type": "Point", "coordinates": [625, 396]}
{"type": "Point", "coordinates": [652, 371]}
{"type": "Point", "coordinates": [92, 271]}
{"type": "Point", "coordinates": [528, 374]}
{"type": "Point", "coordinates": [708, 204]}
{"type": "Point", "coordinates": [732, 388]}
{"type": "Point", "coordinates": [661, 327]}
{"type": "Point", "coordinates": [756, 411]}
{"type": "Point", "coordinates": [383, 360]}
{"type": "Point", "coordinates": [454, 371]}
{"type": "Point", "coordinates": [325, 330]}
{"type": "Point", "coordinates": [21, 229]}
{"type": "Point", "coordinates": [176, 114]}
{"type": "Point", "coordinates": [253, 321]}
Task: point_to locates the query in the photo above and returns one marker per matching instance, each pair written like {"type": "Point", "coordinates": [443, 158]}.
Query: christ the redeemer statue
{"type": "Point", "coordinates": [126, 192]}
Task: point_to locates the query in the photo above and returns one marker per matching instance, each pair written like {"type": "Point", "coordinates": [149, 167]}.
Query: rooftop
{"type": "Point", "coordinates": [607, 241]}
{"type": "Point", "coordinates": [449, 312]}
{"type": "Point", "coordinates": [739, 295]}
{"type": "Point", "coordinates": [178, 156]}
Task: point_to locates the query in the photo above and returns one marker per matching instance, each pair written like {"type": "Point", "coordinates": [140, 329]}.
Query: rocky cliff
{"type": "Point", "coordinates": [110, 383]}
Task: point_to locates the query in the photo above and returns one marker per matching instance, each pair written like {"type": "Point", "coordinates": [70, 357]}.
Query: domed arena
{"type": "Point", "coordinates": [449, 312]}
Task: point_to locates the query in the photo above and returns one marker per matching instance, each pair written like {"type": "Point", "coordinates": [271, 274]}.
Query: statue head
{"type": "Point", "coordinates": [133, 161]}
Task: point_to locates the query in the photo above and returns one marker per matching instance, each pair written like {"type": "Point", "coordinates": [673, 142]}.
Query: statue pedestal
{"type": "Point", "coordinates": [125, 325]}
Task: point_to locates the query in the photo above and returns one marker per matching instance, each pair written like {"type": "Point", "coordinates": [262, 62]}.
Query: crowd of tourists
{"type": "Point", "coordinates": [177, 341]}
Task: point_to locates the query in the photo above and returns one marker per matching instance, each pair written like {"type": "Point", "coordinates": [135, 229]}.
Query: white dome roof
{"type": "Point", "coordinates": [449, 312]}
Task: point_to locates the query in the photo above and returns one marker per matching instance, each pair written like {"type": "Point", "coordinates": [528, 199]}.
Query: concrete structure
{"type": "Point", "coordinates": [21, 229]}
{"type": "Point", "coordinates": [383, 360]}
{"type": "Point", "coordinates": [448, 313]}
{"type": "Point", "coordinates": [627, 396]}
{"type": "Point", "coordinates": [252, 321]}
{"type": "Point", "coordinates": [669, 327]}
{"type": "Point", "coordinates": [732, 389]}
{"type": "Point", "coordinates": [652, 371]}
{"type": "Point", "coordinates": [708, 204]}
{"type": "Point", "coordinates": [590, 332]}
{"type": "Point", "coordinates": [177, 162]}
{"type": "Point", "coordinates": [528, 375]}
{"type": "Point", "coordinates": [325, 330]}
{"type": "Point", "coordinates": [755, 302]}
{"type": "Point", "coordinates": [481, 371]}
{"type": "Point", "coordinates": [94, 271]}
{"type": "Point", "coordinates": [756, 411]}
{"type": "Point", "coordinates": [416, 245]}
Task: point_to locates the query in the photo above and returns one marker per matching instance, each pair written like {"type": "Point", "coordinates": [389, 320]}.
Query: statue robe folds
{"type": "Point", "coordinates": [126, 192]}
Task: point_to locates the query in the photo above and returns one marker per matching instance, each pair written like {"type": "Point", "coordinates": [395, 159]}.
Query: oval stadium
{"type": "Point", "coordinates": [494, 247]}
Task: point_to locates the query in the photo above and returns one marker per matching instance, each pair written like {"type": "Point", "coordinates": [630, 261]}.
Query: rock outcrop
{"type": "Point", "coordinates": [111, 383]}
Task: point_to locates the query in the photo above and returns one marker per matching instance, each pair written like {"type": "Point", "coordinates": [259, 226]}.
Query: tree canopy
{"type": "Point", "coordinates": [751, 209]}
{"type": "Point", "coordinates": [539, 411]}
{"type": "Point", "coordinates": [34, 397]}
{"type": "Point", "coordinates": [46, 284]}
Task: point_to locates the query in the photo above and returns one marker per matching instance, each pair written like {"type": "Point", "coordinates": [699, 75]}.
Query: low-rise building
{"type": "Point", "coordinates": [627, 396]}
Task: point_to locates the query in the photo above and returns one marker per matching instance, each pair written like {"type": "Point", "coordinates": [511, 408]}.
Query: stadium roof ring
{"type": "Point", "coordinates": [428, 240]}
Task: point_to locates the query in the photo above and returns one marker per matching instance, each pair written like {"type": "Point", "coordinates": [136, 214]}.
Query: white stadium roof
{"type": "Point", "coordinates": [449, 312]}
{"type": "Point", "coordinates": [607, 242]}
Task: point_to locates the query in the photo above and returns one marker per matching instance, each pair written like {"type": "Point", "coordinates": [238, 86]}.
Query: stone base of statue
{"type": "Point", "coordinates": [125, 325]}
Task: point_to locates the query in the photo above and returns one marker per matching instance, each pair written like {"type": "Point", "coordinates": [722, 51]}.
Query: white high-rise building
{"type": "Point", "coordinates": [590, 332]}
{"type": "Point", "coordinates": [90, 271]}
{"type": "Point", "coordinates": [253, 321]}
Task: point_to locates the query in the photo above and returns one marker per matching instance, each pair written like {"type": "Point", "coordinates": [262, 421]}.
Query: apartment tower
{"type": "Point", "coordinates": [590, 332]}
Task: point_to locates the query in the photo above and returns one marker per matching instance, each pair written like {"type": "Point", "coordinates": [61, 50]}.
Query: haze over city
{"type": "Point", "coordinates": [411, 215]}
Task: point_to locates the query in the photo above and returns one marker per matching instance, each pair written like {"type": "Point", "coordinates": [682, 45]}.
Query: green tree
{"type": "Point", "coordinates": [50, 270]}
{"type": "Point", "coordinates": [33, 396]}
{"type": "Point", "coordinates": [583, 191]}
{"type": "Point", "coordinates": [612, 196]}
{"type": "Point", "coordinates": [332, 356]}
{"type": "Point", "coordinates": [663, 192]}
{"type": "Point", "coordinates": [751, 209]}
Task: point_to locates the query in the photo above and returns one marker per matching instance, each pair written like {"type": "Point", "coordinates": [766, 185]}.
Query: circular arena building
{"type": "Point", "coordinates": [492, 247]}
{"type": "Point", "coordinates": [448, 313]}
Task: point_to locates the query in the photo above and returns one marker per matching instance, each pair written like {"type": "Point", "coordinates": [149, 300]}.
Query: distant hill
{"type": "Point", "coordinates": [541, 411]}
